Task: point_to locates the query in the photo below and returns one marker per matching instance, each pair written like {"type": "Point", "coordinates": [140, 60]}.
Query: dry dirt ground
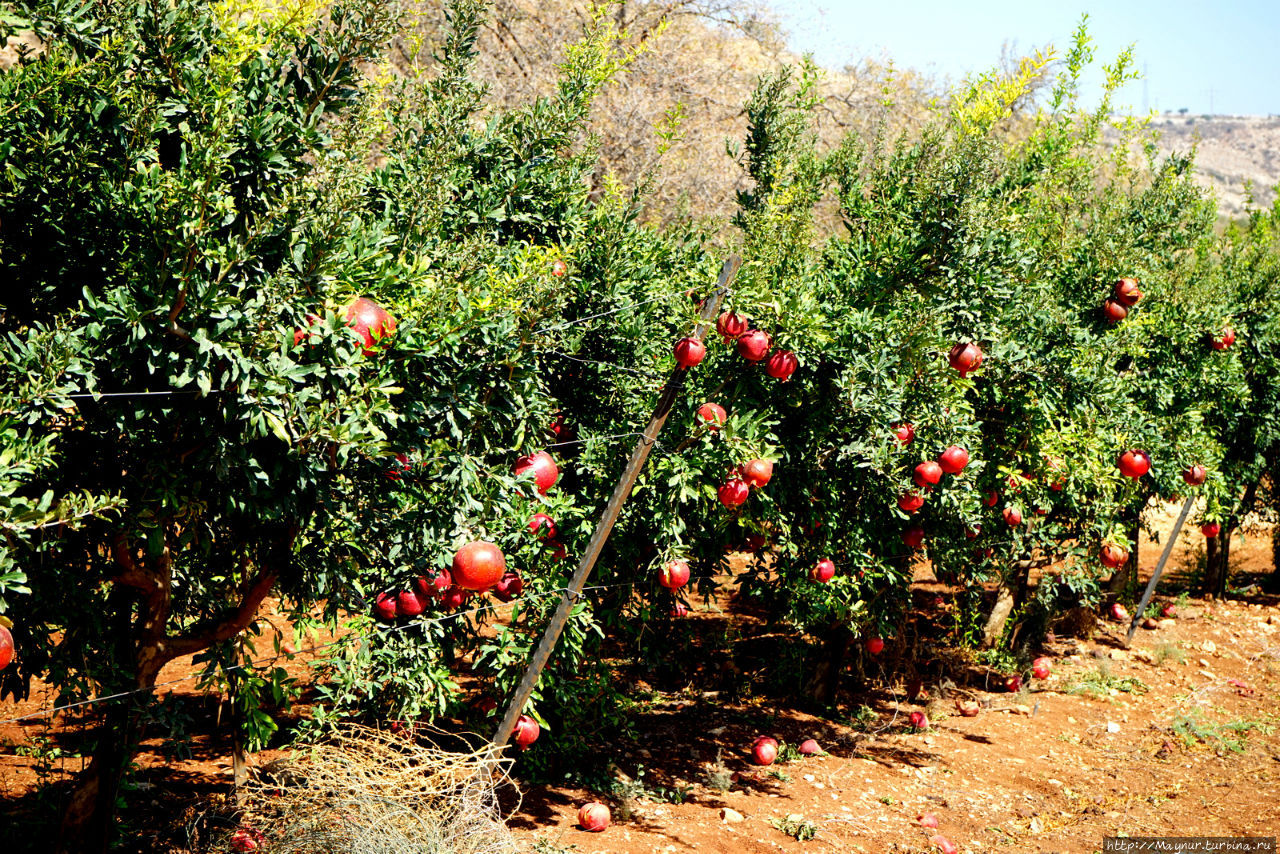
{"type": "Point", "coordinates": [1176, 735]}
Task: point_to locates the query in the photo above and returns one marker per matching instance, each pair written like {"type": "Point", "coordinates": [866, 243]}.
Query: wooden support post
{"type": "Point", "coordinates": [608, 517]}
{"type": "Point", "coordinates": [1155, 576]}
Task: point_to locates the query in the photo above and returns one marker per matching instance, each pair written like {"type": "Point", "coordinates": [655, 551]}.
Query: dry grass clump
{"type": "Point", "coordinates": [367, 791]}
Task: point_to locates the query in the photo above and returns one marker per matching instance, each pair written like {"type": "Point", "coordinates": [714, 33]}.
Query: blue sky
{"type": "Point", "coordinates": [1222, 57]}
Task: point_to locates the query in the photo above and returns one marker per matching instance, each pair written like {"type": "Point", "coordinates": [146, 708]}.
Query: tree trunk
{"type": "Point", "coordinates": [1217, 565]}
{"type": "Point", "coordinates": [1012, 590]}
{"type": "Point", "coordinates": [826, 676]}
{"type": "Point", "coordinates": [1126, 577]}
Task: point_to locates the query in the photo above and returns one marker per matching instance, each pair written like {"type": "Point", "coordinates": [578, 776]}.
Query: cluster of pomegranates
{"type": "Point", "coordinates": [1124, 296]}
{"type": "Point", "coordinates": [753, 474]}
{"type": "Point", "coordinates": [754, 346]}
{"type": "Point", "coordinates": [478, 566]}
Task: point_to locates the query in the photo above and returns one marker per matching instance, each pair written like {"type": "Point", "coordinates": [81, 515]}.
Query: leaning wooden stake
{"type": "Point", "coordinates": [1155, 576]}
{"type": "Point", "coordinates": [610, 515]}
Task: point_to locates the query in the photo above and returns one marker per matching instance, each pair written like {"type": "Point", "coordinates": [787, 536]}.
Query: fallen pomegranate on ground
{"type": "Point", "coordinates": [594, 817]}
{"type": "Point", "coordinates": [1169, 611]}
{"type": "Point", "coordinates": [945, 845]}
{"type": "Point", "coordinates": [928, 820]}
{"type": "Point", "coordinates": [1041, 667]}
{"type": "Point", "coordinates": [1119, 613]}
{"type": "Point", "coordinates": [6, 647]}
{"type": "Point", "coordinates": [1013, 684]}
{"type": "Point", "coordinates": [246, 839]}
{"type": "Point", "coordinates": [968, 708]}
{"type": "Point", "coordinates": [919, 720]}
{"type": "Point", "coordinates": [764, 750]}
{"type": "Point", "coordinates": [809, 747]}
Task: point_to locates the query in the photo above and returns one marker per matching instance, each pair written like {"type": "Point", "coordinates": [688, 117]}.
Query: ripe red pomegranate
{"type": "Point", "coordinates": [910, 502]}
{"type": "Point", "coordinates": [594, 817]}
{"type": "Point", "coordinates": [246, 839]}
{"type": "Point", "coordinates": [1224, 339]}
{"type": "Point", "coordinates": [954, 459]}
{"type": "Point", "coordinates": [525, 732]}
{"type": "Point", "coordinates": [1195, 475]}
{"type": "Point", "coordinates": [733, 492]}
{"type": "Point", "coordinates": [764, 750]}
{"type": "Point", "coordinates": [674, 574]}
{"type": "Point", "coordinates": [542, 526]}
{"type": "Point", "coordinates": [904, 433]}
{"type": "Point", "coordinates": [454, 598]}
{"type": "Point", "coordinates": [558, 549]}
{"type": "Point", "coordinates": [731, 325]}
{"type": "Point", "coordinates": [478, 566]}
{"type": "Point", "coordinates": [875, 646]}
{"type": "Point", "coordinates": [927, 474]}
{"type": "Point", "coordinates": [310, 333]}
{"type": "Point", "coordinates": [943, 844]}
{"type": "Point", "coordinates": [1041, 667]}
{"type": "Point", "coordinates": [823, 571]}
{"type": "Point", "coordinates": [370, 321]}
{"type": "Point", "coordinates": [712, 415]}
{"type": "Point", "coordinates": [781, 365]}
{"type": "Point", "coordinates": [1134, 463]}
{"type": "Point", "coordinates": [509, 586]}
{"type": "Point", "coordinates": [968, 708]}
{"type": "Point", "coordinates": [919, 720]}
{"type": "Point", "coordinates": [928, 819]}
{"type": "Point", "coordinates": [913, 537]}
{"type": "Point", "coordinates": [965, 358]}
{"type": "Point", "coordinates": [1119, 613]}
{"type": "Point", "coordinates": [1013, 684]}
{"type": "Point", "coordinates": [1114, 311]}
{"type": "Point", "coordinates": [409, 604]}
{"type": "Point", "coordinates": [6, 647]}
{"type": "Point", "coordinates": [1113, 556]}
{"type": "Point", "coordinates": [753, 345]}
{"type": "Point", "coordinates": [809, 747]}
{"type": "Point", "coordinates": [384, 606]}
{"type": "Point", "coordinates": [757, 472]}
{"type": "Point", "coordinates": [1012, 516]}
{"type": "Point", "coordinates": [689, 352]}
{"type": "Point", "coordinates": [972, 533]}
{"type": "Point", "coordinates": [559, 268]}
{"type": "Point", "coordinates": [1126, 292]}
{"type": "Point", "coordinates": [992, 498]}
{"type": "Point", "coordinates": [1210, 530]}
{"type": "Point", "coordinates": [544, 468]}
{"type": "Point", "coordinates": [434, 588]}
{"type": "Point", "coordinates": [1169, 611]}
{"type": "Point", "coordinates": [756, 542]}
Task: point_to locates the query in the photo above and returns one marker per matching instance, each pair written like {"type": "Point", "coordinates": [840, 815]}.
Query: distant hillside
{"type": "Point", "coordinates": [1233, 151]}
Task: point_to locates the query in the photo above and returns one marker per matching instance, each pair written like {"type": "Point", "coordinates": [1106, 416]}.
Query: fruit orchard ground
{"type": "Point", "coordinates": [1193, 754]}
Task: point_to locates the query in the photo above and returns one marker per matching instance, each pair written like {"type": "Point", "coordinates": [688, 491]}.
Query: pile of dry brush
{"type": "Point", "coordinates": [368, 791]}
